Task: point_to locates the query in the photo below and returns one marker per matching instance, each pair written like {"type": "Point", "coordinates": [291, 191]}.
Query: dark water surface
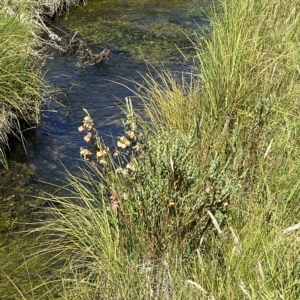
{"type": "Point", "coordinates": [134, 31]}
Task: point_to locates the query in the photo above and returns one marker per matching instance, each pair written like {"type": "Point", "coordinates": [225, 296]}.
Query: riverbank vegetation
{"type": "Point", "coordinates": [20, 77]}
{"type": "Point", "coordinates": [21, 81]}
{"type": "Point", "coordinates": [204, 204]}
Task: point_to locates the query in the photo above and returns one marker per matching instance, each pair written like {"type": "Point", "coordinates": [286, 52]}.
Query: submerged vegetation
{"type": "Point", "coordinates": [200, 198]}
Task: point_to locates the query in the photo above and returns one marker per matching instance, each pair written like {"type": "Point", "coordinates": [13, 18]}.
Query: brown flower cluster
{"type": "Point", "coordinates": [100, 154]}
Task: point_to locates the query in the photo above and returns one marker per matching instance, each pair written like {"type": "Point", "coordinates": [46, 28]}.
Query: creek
{"type": "Point", "coordinates": [136, 31]}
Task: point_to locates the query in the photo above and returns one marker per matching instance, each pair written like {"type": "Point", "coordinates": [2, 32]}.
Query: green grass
{"type": "Point", "coordinates": [20, 77]}
{"type": "Point", "coordinates": [202, 211]}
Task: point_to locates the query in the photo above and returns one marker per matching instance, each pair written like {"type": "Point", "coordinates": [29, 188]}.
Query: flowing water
{"type": "Point", "coordinates": [136, 31]}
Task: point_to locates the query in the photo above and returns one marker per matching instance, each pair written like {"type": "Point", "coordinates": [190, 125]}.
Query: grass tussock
{"type": "Point", "coordinates": [20, 77]}
{"type": "Point", "coordinates": [40, 8]}
{"type": "Point", "coordinates": [205, 202]}
{"type": "Point", "coordinates": [21, 80]}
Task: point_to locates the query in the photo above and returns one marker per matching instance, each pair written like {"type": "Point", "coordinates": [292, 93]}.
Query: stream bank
{"type": "Point", "coordinates": [54, 146]}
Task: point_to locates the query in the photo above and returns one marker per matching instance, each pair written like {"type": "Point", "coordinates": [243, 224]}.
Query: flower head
{"type": "Point", "coordinates": [85, 153]}
{"type": "Point", "coordinates": [123, 142]}
{"type": "Point", "coordinates": [130, 167]}
{"type": "Point", "coordinates": [131, 135]}
{"type": "Point", "coordinates": [88, 137]}
{"type": "Point", "coordinates": [88, 123]}
{"type": "Point", "coordinates": [114, 205]}
{"type": "Point", "coordinates": [208, 190]}
{"type": "Point", "coordinates": [113, 195]}
{"type": "Point", "coordinates": [117, 153]}
{"type": "Point", "coordinates": [81, 128]}
{"type": "Point", "coordinates": [87, 118]}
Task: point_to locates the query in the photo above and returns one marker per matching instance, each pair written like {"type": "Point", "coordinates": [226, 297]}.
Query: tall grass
{"type": "Point", "coordinates": [40, 8]}
{"type": "Point", "coordinates": [21, 80]}
{"type": "Point", "coordinates": [210, 208]}
{"type": "Point", "coordinates": [20, 77]}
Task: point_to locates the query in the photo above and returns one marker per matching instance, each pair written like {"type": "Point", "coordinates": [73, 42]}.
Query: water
{"type": "Point", "coordinates": [134, 31]}
{"type": "Point", "coordinates": [148, 30]}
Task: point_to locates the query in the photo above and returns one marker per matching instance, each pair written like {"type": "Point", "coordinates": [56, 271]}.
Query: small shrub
{"type": "Point", "coordinates": [162, 195]}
